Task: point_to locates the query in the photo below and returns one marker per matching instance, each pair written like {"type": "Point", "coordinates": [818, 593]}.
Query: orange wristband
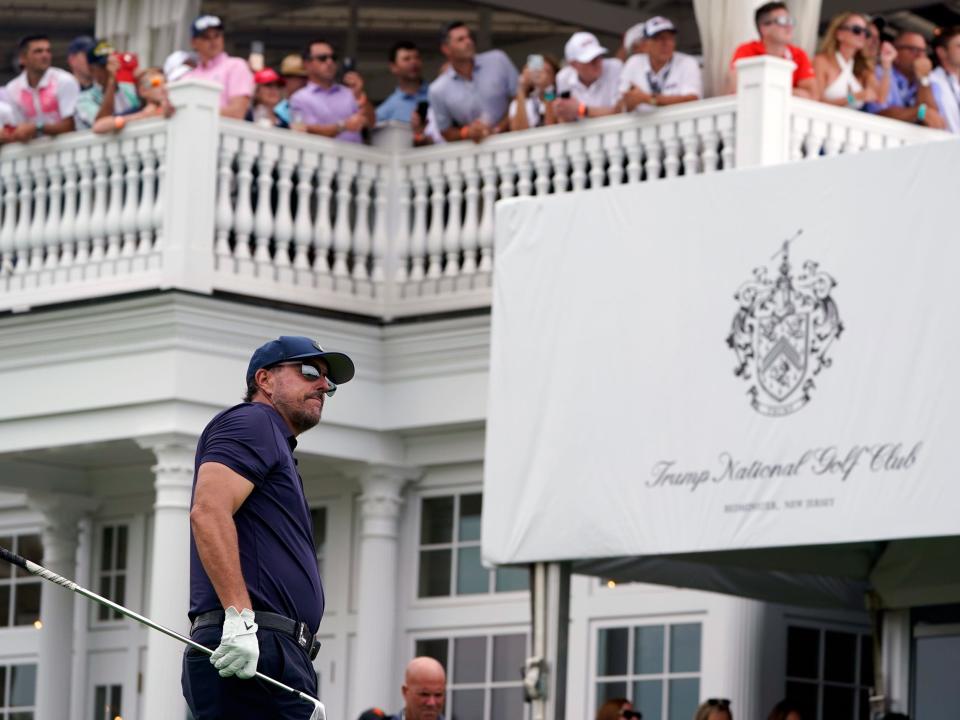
{"type": "Point", "coordinates": [119, 122]}
{"type": "Point", "coordinates": [582, 110]}
{"type": "Point", "coordinates": [464, 132]}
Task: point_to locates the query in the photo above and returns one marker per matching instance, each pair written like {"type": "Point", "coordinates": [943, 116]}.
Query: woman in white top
{"type": "Point", "coordinates": [842, 66]}
{"type": "Point", "coordinates": [533, 104]}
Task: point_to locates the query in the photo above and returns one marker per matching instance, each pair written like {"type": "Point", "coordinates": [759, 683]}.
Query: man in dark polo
{"type": "Point", "coordinates": [255, 591]}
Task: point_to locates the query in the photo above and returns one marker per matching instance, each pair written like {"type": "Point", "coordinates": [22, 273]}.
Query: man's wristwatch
{"type": "Point", "coordinates": [925, 81]}
{"type": "Point", "coordinates": [341, 126]}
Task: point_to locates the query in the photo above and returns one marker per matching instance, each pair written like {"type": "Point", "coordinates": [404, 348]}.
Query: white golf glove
{"type": "Point", "coordinates": [239, 650]}
{"type": "Point", "coordinates": [319, 712]}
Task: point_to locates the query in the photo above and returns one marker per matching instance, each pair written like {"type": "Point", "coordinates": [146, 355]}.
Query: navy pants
{"type": "Point", "coordinates": [211, 697]}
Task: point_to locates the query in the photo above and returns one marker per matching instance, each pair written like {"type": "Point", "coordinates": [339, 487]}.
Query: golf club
{"type": "Point", "coordinates": [319, 711]}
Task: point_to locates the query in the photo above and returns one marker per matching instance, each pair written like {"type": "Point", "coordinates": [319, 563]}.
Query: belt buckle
{"type": "Point", "coordinates": [303, 636]}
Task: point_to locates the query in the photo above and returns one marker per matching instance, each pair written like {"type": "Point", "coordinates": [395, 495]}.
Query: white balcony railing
{"type": "Point", "coordinates": [213, 205]}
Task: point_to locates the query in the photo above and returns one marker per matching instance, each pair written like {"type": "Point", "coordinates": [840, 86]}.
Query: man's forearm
{"type": "Point", "coordinates": [106, 105]}
{"type": "Point", "coordinates": [215, 534]}
{"type": "Point", "coordinates": [59, 127]}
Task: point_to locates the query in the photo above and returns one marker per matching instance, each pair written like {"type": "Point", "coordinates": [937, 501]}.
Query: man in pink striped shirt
{"type": "Point", "coordinates": [231, 73]}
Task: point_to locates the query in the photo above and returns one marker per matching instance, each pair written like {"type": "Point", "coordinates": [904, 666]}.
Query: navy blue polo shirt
{"type": "Point", "coordinates": [274, 529]}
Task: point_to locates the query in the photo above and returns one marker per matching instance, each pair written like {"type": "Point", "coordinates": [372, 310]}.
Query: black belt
{"type": "Point", "coordinates": [269, 621]}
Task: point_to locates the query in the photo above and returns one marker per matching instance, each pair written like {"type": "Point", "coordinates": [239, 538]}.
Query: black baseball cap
{"type": "Point", "coordinates": [204, 23]}
{"type": "Point", "coordinates": [296, 347]}
{"type": "Point", "coordinates": [81, 44]}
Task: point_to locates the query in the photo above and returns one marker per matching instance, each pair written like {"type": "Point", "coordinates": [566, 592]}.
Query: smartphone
{"type": "Point", "coordinates": [565, 95]}
{"type": "Point", "coordinates": [422, 108]}
{"type": "Point", "coordinates": [535, 62]}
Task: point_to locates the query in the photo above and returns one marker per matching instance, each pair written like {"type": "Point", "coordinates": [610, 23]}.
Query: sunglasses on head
{"type": "Point", "coordinates": [857, 30]}
{"type": "Point", "coordinates": [311, 373]}
{"type": "Point", "coordinates": [718, 702]}
{"type": "Point", "coordinates": [781, 20]}
{"type": "Point", "coordinates": [324, 57]}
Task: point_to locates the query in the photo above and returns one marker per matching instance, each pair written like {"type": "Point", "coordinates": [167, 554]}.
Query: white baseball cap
{"type": "Point", "coordinates": [634, 35]}
{"type": "Point", "coordinates": [583, 47]}
{"type": "Point", "coordinates": [658, 24]}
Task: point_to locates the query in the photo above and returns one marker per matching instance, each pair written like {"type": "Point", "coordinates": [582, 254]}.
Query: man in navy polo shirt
{"type": "Point", "coordinates": [255, 591]}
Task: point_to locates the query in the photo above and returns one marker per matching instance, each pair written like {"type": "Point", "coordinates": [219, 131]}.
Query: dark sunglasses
{"type": "Point", "coordinates": [858, 30]}
{"type": "Point", "coordinates": [718, 702]}
{"type": "Point", "coordinates": [324, 57]}
{"type": "Point", "coordinates": [631, 714]}
{"type": "Point", "coordinates": [311, 373]}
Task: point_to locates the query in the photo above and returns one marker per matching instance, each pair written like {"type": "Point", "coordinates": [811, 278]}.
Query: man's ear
{"type": "Point", "coordinates": [264, 381]}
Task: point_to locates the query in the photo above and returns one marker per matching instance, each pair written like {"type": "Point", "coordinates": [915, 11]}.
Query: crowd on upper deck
{"type": "Point", "coordinates": [861, 64]}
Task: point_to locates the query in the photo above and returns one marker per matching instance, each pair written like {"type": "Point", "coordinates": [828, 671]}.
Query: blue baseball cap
{"type": "Point", "coordinates": [296, 347]}
{"type": "Point", "coordinates": [81, 44]}
{"type": "Point", "coordinates": [204, 23]}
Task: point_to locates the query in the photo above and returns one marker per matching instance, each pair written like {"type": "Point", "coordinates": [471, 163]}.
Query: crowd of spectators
{"type": "Point", "coordinates": [860, 64]}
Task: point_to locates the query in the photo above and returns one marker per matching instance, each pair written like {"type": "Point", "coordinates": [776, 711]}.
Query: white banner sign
{"type": "Point", "coordinates": [756, 358]}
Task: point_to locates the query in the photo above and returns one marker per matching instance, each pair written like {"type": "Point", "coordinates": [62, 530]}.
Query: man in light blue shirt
{"type": "Point", "coordinates": [912, 96]}
{"type": "Point", "coordinates": [406, 66]}
{"type": "Point", "coordinates": [470, 100]}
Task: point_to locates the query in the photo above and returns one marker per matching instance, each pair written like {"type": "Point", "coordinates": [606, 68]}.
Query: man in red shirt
{"type": "Point", "coordinates": [776, 31]}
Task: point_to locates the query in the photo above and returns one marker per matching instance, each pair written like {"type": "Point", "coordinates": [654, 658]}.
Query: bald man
{"type": "Point", "coordinates": [424, 690]}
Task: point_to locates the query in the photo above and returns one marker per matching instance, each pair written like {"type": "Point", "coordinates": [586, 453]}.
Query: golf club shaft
{"type": "Point", "coordinates": [42, 572]}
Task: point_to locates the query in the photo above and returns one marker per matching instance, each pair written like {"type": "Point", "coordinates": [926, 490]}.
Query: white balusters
{"type": "Point", "coordinates": [379, 241]}
{"type": "Point", "coordinates": [651, 151]}
{"type": "Point", "coordinates": [361, 230]}
{"type": "Point", "coordinates": [302, 224]}
{"type": "Point", "coordinates": [263, 218]}
{"type": "Point", "coordinates": [84, 211]}
{"type": "Point", "coordinates": [813, 142]}
{"type": "Point", "coordinates": [836, 137]}
{"type": "Point", "coordinates": [21, 240]}
{"type": "Point", "coordinates": [66, 230]}
{"type": "Point", "coordinates": [557, 153]}
{"type": "Point", "coordinates": [435, 235]}
{"type": "Point", "coordinates": [597, 158]}
{"type": "Point", "coordinates": [114, 209]}
{"type": "Point", "coordinates": [726, 124]}
{"type": "Point", "coordinates": [671, 150]}
{"type": "Point", "coordinates": [710, 139]}
{"type": "Point", "coordinates": [507, 171]}
{"type": "Point", "coordinates": [323, 228]}
{"type": "Point", "coordinates": [469, 235]}
{"type": "Point", "coordinates": [402, 232]}
{"type": "Point", "coordinates": [39, 220]}
{"type": "Point", "coordinates": [854, 142]}
{"type": "Point", "coordinates": [341, 228]}
{"type": "Point", "coordinates": [614, 150]}
{"type": "Point", "coordinates": [51, 229]}
{"type": "Point", "coordinates": [98, 216]}
{"type": "Point", "coordinates": [418, 235]}
{"type": "Point", "coordinates": [223, 217]}
{"type": "Point", "coordinates": [451, 238]}
{"type": "Point", "coordinates": [541, 166]}
{"type": "Point", "coordinates": [489, 194]}
{"type": "Point", "coordinates": [283, 221]}
{"type": "Point", "coordinates": [131, 199]}
{"type": "Point", "coordinates": [243, 209]}
{"type": "Point", "coordinates": [578, 159]}
{"type": "Point", "coordinates": [159, 144]}
{"type": "Point", "coordinates": [148, 181]}
{"type": "Point", "coordinates": [690, 141]}
{"type": "Point", "coordinates": [8, 224]}
{"type": "Point", "coordinates": [524, 166]}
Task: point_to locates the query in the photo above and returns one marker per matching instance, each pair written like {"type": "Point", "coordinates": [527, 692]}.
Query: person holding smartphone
{"type": "Point", "coordinates": [533, 104]}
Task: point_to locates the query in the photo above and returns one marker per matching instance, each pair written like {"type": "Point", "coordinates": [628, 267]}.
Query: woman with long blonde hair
{"type": "Point", "coordinates": [842, 66]}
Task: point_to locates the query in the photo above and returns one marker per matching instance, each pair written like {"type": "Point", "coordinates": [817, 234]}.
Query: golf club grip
{"type": "Point", "coordinates": [39, 570]}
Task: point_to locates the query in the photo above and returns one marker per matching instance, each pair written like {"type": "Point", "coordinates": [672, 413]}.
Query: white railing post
{"type": "Point", "coordinates": [190, 182]}
{"type": "Point", "coordinates": [391, 238]}
{"type": "Point", "coordinates": [764, 94]}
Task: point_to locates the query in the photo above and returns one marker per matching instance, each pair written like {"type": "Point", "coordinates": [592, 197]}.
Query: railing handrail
{"type": "Point", "coordinates": [80, 139]}
{"type": "Point", "coordinates": [303, 141]}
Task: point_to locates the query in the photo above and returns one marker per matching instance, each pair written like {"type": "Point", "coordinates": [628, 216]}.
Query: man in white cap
{"type": "Point", "coordinates": [634, 40]}
{"type": "Point", "coordinates": [589, 85]}
{"type": "Point", "coordinates": [660, 76]}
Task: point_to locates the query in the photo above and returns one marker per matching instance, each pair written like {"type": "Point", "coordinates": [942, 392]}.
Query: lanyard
{"type": "Point", "coordinates": [655, 87]}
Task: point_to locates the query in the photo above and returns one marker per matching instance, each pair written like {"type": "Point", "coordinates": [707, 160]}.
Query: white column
{"type": "Point", "coordinates": [373, 682]}
{"type": "Point", "coordinates": [896, 659]}
{"type": "Point", "coordinates": [62, 514]}
{"type": "Point", "coordinates": [169, 580]}
{"type": "Point", "coordinates": [189, 208]}
{"type": "Point", "coordinates": [764, 97]}
{"type": "Point", "coordinates": [736, 628]}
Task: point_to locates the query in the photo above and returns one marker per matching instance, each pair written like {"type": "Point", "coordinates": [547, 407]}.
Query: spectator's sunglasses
{"type": "Point", "coordinates": [311, 373]}
{"type": "Point", "coordinates": [722, 703]}
{"type": "Point", "coordinates": [324, 57]}
{"type": "Point", "coordinates": [781, 20]}
{"type": "Point", "coordinates": [912, 49]}
{"type": "Point", "coordinates": [857, 30]}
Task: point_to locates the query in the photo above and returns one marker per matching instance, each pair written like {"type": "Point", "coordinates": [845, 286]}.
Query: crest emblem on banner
{"type": "Point", "coordinates": [782, 333]}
